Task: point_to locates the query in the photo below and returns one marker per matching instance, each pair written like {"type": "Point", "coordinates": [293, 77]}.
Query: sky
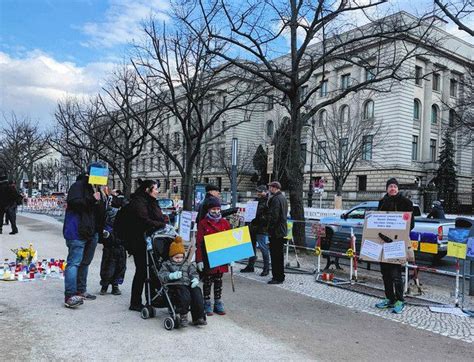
{"type": "Point", "coordinates": [51, 49]}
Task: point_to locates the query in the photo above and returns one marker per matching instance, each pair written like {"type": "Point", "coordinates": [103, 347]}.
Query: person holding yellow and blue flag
{"type": "Point", "coordinates": [212, 223]}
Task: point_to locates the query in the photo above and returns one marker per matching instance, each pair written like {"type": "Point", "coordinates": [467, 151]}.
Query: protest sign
{"type": "Point", "coordinates": [457, 242]}
{"type": "Point", "coordinates": [250, 211]}
{"type": "Point", "coordinates": [228, 246]}
{"type": "Point", "coordinates": [185, 225]}
{"type": "Point", "coordinates": [386, 237]}
{"type": "Point", "coordinates": [98, 176]}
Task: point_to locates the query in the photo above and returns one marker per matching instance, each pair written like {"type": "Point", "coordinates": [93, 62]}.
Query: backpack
{"type": "Point", "coordinates": [123, 226]}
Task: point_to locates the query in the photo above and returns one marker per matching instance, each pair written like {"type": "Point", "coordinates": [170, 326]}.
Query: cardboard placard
{"type": "Point", "coordinates": [394, 225]}
{"type": "Point", "coordinates": [250, 211]}
{"type": "Point", "coordinates": [185, 225]}
{"type": "Point", "coordinates": [98, 176]}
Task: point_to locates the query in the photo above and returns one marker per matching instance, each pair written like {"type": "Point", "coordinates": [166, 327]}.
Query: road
{"type": "Point", "coordinates": [263, 322]}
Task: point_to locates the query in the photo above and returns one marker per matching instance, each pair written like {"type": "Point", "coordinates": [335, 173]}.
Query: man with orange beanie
{"type": "Point", "coordinates": [184, 291]}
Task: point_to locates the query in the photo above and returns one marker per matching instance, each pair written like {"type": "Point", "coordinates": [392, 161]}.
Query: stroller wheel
{"type": "Point", "coordinates": [145, 313]}
{"type": "Point", "coordinates": [168, 323]}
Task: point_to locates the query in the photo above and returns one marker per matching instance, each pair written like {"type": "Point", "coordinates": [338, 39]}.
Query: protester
{"type": "Point", "coordinates": [211, 191]}
{"type": "Point", "coordinates": [437, 211]}
{"type": "Point", "coordinates": [259, 233]}
{"type": "Point", "coordinates": [392, 273]}
{"type": "Point", "coordinates": [8, 199]}
{"type": "Point", "coordinates": [211, 224]}
{"type": "Point", "coordinates": [187, 293]}
{"type": "Point", "coordinates": [114, 256]}
{"type": "Point", "coordinates": [12, 209]}
{"type": "Point", "coordinates": [144, 215]}
{"type": "Point", "coordinates": [277, 230]}
{"type": "Point", "coordinates": [83, 221]}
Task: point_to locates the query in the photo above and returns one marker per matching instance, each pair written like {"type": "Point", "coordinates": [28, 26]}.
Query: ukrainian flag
{"type": "Point", "coordinates": [228, 246]}
{"type": "Point", "coordinates": [98, 176]}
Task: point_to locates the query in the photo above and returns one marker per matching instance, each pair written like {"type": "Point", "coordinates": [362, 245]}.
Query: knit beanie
{"type": "Point", "coordinates": [391, 181]}
{"type": "Point", "coordinates": [213, 202]}
{"type": "Point", "coordinates": [177, 247]}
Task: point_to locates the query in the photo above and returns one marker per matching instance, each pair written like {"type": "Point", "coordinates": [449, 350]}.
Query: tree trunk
{"type": "Point", "coordinates": [296, 181]}
{"type": "Point", "coordinates": [127, 182]}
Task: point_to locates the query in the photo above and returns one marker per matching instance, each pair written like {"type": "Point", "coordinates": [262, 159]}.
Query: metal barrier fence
{"type": "Point", "coordinates": [44, 205]}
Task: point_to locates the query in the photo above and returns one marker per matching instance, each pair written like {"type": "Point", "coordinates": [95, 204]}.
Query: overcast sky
{"type": "Point", "coordinates": [53, 48]}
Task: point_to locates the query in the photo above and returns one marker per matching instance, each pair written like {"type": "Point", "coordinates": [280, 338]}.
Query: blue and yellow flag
{"type": "Point", "coordinates": [228, 246]}
{"type": "Point", "coordinates": [98, 176]}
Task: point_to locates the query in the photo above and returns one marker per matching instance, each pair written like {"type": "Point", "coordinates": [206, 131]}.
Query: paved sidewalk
{"type": "Point", "coordinates": [300, 320]}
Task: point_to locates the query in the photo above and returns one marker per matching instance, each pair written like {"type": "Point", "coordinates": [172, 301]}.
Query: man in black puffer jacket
{"type": "Point", "coordinates": [7, 198]}
{"type": "Point", "coordinates": [392, 273]}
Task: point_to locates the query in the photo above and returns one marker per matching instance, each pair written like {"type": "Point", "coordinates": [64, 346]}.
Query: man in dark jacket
{"type": "Point", "coordinates": [437, 211]}
{"type": "Point", "coordinates": [11, 210]}
{"type": "Point", "coordinates": [277, 230]}
{"type": "Point", "coordinates": [7, 199]}
{"type": "Point", "coordinates": [392, 273]}
{"type": "Point", "coordinates": [259, 232]}
{"type": "Point", "coordinates": [211, 191]}
{"type": "Point", "coordinates": [84, 219]}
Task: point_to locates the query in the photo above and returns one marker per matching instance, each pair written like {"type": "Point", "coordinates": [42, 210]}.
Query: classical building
{"type": "Point", "coordinates": [409, 122]}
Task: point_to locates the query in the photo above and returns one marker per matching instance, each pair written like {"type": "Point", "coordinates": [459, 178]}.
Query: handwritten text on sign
{"type": "Point", "coordinates": [387, 221]}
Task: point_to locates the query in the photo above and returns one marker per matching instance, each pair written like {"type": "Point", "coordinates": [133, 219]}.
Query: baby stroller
{"type": "Point", "coordinates": [158, 244]}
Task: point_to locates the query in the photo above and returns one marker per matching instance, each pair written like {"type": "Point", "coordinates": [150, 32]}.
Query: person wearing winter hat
{"type": "Point", "coordinates": [185, 291]}
{"type": "Point", "coordinates": [212, 191]}
{"type": "Point", "coordinates": [392, 273]}
{"type": "Point", "coordinates": [211, 224]}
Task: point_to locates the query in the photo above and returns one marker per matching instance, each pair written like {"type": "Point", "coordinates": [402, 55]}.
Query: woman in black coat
{"type": "Point", "coordinates": [145, 214]}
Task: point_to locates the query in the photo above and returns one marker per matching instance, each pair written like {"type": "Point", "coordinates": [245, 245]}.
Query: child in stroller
{"type": "Point", "coordinates": [171, 283]}
{"type": "Point", "coordinates": [183, 288]}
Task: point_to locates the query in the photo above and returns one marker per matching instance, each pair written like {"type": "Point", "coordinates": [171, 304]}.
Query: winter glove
{"type": "Point", "coordinates": [176, 275]}
{"type": "Point", "coordinates": [194, 283]}
{"type": "Point", "coordinates": [200, 266]}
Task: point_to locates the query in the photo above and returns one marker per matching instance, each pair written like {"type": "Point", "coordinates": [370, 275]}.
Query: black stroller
{"type": "Point", "coordinates": [158, 243]}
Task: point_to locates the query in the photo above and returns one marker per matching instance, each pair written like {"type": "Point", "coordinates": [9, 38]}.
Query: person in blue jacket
{"type": "Point", "coordinates": [84, 219]}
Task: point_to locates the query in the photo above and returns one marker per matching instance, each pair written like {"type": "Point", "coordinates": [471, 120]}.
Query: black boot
{"type": "Point", "coordinates": [103, 290]}
{"type": "Point", "coordinates": [265, 272]}
{"type": "Point", "coordinates": [247, 269]}
{"type": "Point", "coordinates": [116, 290]}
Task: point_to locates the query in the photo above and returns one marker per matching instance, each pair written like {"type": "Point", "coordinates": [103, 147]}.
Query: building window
{"type": "Point", "coordinates": [222, 156]}
{"type": "Point", "coordinates": [176, 140]}
{"type": "Point", "coordinates": [303, 149]}
{"type": "Point", "coordinates": [223, 125]}
{"type": "Point", "coordinates": [143, 164]}
{"type": "Point", "coordinates": [416, 109]}
{"type": "Point", "coordinates": [369, 110]}
{"type": "Point", "coordinates": [418, 75]}
{"type": "Point", "coordinates": [344, 114]}
{"type": "Point", "coordinates": [270, 128]}
{"type": "Point", "coordinates": [322, 118]}
{"type": "Point", "coordinates": [452, 117]}
{"type": "Point", "coordinates": [433, 150]}
{"type": "Point", "coordinates": [434, 114]}
{"type": "Point", "coordinates": [342, 148]}
{"type": "Point", "coordinates": [367, 143]}
{"type": "Point", "coordinates": [269, 103]}
{"type": "Point", "coordinates": [321, 151]}
{"type": "Point", "coordinates": [224, 101]}
{"type": "Point", "coordinates": [303, 92]}
{"type": "Point", "coordinates": [436, 82]}
{"type": "Point", "coordinates": [369, 74]}
{"type": "Point", "coordinates": [210, 158]}
{"type": "Point", "coordinates": [453, 88]}
{"type": "Point", "coordinates": [323, 91]}
{"type": "Point", "coordinates": [151, 164]}
{"type": "Point", "coordinates": [414, 148]}
{"type": "Point", "coordinates": [345, 81]}
{"type": "Point", "coordinates": [362, 182]}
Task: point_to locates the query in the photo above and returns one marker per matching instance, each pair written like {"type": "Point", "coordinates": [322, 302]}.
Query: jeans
{"type": "Point", "coordinates": [262, 244]}
{"type": "Point", "coordinates": [80, 255]}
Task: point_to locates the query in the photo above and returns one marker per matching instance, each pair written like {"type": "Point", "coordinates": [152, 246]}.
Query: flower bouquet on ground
{"type": "Point", "coordinates": [25, 256]}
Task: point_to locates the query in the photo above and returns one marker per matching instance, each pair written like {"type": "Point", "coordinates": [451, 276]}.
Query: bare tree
{"type": "Point", "coordinates": [347, 140]}
{"type": "Point", "coordinates": [49, 172]}
{"type": "Point", "coordinates": [244, 162]}
{"type": "Point", "coordinates": [22, 145]}
{"type": "Point", "coordinates": [459, 12]}
{"type": "Point", "coordinates": [193, 92]}
{"type": "Point", "coordinates": [254, 30]}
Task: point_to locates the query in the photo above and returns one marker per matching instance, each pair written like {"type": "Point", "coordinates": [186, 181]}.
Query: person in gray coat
{"type": "Point", "coordinates": [277, 230]}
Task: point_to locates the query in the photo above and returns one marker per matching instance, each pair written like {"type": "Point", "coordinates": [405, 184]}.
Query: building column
{"type": "Point", "coordinates": [426, 120]}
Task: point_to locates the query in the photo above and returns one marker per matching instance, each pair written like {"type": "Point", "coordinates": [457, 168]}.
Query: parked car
{"type": "Point", "coordinates": [338, 229]}
{"type": "Point", "coordinates": [168, 209]}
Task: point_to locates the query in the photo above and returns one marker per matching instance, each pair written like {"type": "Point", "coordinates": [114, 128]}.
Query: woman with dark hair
{"type": "Point", "coordinates": [145, 214]}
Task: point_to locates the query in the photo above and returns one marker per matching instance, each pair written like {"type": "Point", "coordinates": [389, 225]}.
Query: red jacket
{"type": "Point", "coordinates": [206, 227]}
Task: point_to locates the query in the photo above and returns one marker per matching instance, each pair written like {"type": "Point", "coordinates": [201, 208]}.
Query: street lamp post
{"type": "Point", "coordinates": [310, 189]}
{"type": "Point", "coordinates": [235, 145]}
